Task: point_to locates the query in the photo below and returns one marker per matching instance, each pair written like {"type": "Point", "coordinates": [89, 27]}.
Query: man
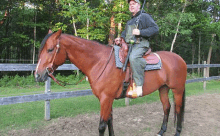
{"type": "Point", "coordinates": [139, 29]}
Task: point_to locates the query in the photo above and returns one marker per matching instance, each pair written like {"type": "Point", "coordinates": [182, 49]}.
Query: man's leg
{"type": "Point", "coordinates": [138, 64]}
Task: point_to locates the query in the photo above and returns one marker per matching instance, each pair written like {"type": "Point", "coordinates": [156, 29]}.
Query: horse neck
{"type": "Point", "coordinates": [88, 56]}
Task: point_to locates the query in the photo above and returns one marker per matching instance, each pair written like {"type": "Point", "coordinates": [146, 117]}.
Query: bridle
{"type": "Point", "coordinates": [50, 70]}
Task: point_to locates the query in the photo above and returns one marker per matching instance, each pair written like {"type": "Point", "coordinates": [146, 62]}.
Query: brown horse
{"type": "Point", "coordinates": [97, 62]}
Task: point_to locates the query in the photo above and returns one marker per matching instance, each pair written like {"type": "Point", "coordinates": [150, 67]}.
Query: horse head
{"type": "Point", "coordinates": [51, 55]}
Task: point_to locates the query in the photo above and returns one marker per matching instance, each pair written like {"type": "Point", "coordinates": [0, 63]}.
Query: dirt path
{"type": "Point", "coordinates": [202, 118]}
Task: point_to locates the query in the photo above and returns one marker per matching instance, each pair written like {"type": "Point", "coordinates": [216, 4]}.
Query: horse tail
{"type": "Point", "coordinates": [182, 109]}
{"type": "Point", "coordinates": [174, 111]}
{"type": "Point", "coordinates": [183, 104]}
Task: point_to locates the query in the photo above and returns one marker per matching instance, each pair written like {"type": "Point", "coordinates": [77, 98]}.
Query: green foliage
{"type": "Point", "coordinates": [17, 81]}
{"type": "Point", "coordinates": [92, 20]}
{"type": "Point", "coordinates": [29, 81]}
{"type": "Point", "coordinates": [59, 26]}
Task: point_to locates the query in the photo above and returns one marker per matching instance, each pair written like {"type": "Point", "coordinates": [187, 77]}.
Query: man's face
{"type": "Point", "coordinates": [134, 7]}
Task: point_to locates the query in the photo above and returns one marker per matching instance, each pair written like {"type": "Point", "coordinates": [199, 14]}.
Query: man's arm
{"type": "Point", "coordinates": [149, 27]}
{"type": "Point", "coordinates": [123, 34]}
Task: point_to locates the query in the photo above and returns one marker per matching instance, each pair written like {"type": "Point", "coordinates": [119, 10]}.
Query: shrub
{"type": "Point", "coordinates": [29, 81]}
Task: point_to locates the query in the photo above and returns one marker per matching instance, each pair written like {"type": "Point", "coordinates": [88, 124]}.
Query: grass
{"type": "Point", "coordinates": [31, 115]}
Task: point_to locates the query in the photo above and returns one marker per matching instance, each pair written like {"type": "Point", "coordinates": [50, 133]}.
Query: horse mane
{"type": "Point", "coordinates": [91, 41]}
{"type": "Point", "coordinates": [44, 41]}
{"type": "Point", "coordinates": [69, 36]}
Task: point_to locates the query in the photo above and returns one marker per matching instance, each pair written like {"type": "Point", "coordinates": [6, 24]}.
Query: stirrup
{"type": "Point", "coordinates": [135, 91]}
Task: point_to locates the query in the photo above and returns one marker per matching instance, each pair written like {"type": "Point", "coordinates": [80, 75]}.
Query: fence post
{"type": "Point", "coordinates": [204, 75]}
{"type": "Point", "coordinates": [47, 102]}
{"type": "Point", "coordinates": [127, 101]}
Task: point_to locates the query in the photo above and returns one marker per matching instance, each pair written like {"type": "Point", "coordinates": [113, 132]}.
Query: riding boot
{"type": "Point", "coordinates": [136, 92]}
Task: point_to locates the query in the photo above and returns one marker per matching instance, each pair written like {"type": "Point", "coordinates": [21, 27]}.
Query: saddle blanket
{"type": "Point", "coordinates": [148, 67]}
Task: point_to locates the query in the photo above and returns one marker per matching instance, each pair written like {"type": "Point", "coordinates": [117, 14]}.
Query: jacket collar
{"type": "Point", "coordinates": [138, 13]}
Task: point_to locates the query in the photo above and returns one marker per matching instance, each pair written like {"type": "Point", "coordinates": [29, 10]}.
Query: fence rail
{"type": "Point", "coordinates": [31, 67]}
{"type": "Point", "coordinates": [40, 97]}
{"type": "Point", "coordinates": [49, 95]}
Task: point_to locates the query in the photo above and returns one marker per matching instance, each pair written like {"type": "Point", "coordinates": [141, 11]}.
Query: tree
{"type": "Point", "coordinates": [214, 27]}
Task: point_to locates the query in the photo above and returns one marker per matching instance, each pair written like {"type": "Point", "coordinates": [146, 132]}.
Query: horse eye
{"type": "Point", "coordinates": [49, 50]}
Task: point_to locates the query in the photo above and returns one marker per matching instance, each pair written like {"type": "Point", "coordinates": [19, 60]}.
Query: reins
{"type": "Point", "coordinates": [104, 67]}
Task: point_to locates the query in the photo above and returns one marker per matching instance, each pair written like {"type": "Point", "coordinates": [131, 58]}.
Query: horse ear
{"type": "Point", "coordinates": [50, 31]}
{"type": "Point", "coordinates": [57, 34]}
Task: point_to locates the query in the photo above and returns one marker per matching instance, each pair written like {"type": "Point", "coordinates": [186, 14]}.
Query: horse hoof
{"type": "Point", "coordinates": [158, 135]}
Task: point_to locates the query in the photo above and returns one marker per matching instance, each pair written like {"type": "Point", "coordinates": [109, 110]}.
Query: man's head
{"type": "Point", "coordinates": [134, 6]}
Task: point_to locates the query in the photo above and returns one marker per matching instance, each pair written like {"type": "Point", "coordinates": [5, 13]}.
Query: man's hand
{"type": "Point", "coordinates": [117, 41]}
{"type": "Point", "coordinates": [136, 32]}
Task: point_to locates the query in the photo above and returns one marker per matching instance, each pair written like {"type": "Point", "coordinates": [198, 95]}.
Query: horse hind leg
{"type": "Point", "coordinates": [110, 125]}
{"type": "Point", "coordinates": [179, 98]}
{"type": "Point", "coordinates": [163, 91]}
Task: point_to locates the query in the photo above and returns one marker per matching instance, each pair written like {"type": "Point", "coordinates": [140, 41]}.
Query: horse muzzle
{"type": "Point", "coordinates": [41, 77]}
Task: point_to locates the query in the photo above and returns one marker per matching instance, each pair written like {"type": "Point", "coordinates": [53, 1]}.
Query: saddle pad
{"type": "Point", "coordinates": [147, 68]}
{"type": "Point", "coordinates": [117, 59]}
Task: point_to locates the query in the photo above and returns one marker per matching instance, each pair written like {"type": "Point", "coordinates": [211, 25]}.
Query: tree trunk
{"type": "Point", "coordinates": [199, 52]}
{"type": "Point", "coordinates": [5, 16]}
{"type": "Point", "coordinates": [87, 24]}
{"type": "Point", "coordinates": [210, 54]}
{"type": "Point", "coordinates": [193, 57]}
{"type": "Point", "coordinates": [87, 36]}
{"type": "Point", "coordinates": [177, 29]}
{"type": "Point", "coordinates": [35, 31]}
{"type": "Point", "coordinates": [35, 21]}
{"type": "Point", "coordinates": [74, 24]}
{"type": "Point", "coordinates": [119, 29]}
{"type": "Point", "coordinates": [112, 31]}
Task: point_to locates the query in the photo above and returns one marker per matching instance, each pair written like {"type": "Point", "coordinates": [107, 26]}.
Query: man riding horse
{"type": "Point", "coordinates": [138, 30]}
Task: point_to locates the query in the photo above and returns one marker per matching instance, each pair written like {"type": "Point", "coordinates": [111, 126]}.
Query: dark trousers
{"type": "Point", "coordinates": [137, 62]}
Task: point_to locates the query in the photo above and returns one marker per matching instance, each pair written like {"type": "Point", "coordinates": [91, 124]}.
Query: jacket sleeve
{"type": "Point", "coordinates": [123, 34]}
{"type": "Point", "coordinates": [147, 26]}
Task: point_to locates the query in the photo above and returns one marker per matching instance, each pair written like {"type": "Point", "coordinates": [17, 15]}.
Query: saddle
{"type": "Point", "coordinates": [149, 57]}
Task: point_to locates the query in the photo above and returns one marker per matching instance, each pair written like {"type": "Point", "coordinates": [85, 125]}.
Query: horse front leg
{"type": "Point", "coordinates": [106, 116]}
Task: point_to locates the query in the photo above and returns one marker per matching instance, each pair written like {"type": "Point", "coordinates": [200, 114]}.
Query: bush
{"type": "Point", "coordinates": [28, 81]}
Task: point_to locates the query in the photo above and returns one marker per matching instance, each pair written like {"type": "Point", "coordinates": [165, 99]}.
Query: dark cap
{"type": "Point", "coordinates": [135, 1]}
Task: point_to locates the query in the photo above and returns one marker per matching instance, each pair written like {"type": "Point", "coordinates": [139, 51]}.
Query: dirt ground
{"type": "Point", "coordinates": [202, 118]}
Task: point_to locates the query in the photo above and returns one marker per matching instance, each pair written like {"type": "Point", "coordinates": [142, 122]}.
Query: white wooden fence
{"type": "Point", "coordinates": [48, 95]}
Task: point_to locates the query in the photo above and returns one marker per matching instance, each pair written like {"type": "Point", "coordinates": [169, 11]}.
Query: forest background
{"type": "Point", "coordinates": [190, 28]}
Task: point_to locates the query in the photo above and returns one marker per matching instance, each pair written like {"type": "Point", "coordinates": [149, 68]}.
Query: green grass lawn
{"type": "Point", "coordinates": [31, 115]}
